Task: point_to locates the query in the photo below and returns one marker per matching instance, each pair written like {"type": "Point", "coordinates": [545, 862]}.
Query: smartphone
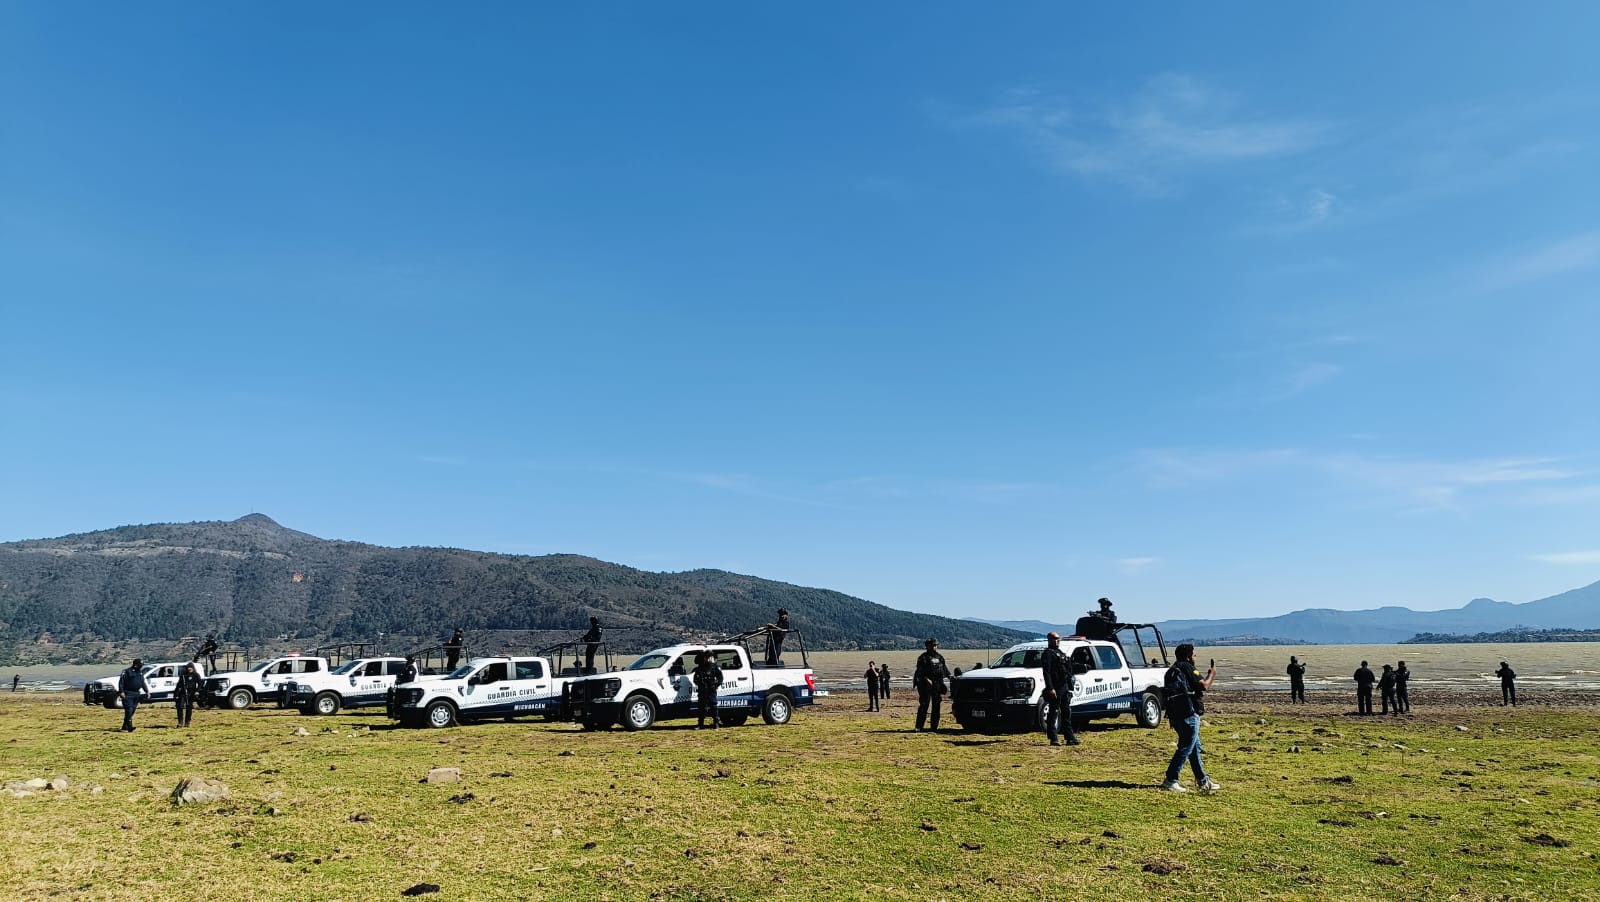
{"type": "Point", "coordinates": [1213, 663]}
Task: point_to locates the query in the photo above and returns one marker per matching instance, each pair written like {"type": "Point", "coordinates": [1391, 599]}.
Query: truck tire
{"type": "Point", "coordinates": [735, 719]}
{"type": "Point", "coordinates": [1148, 710]}
{"type": "Point", "coordinates": [1038, 715]}
{"type": "Point", "coordinates": [325, 703]}
{"type": "Point", "coordinates": [113, 702]}
{"type": "Point", "coordinates": [440, 714]}
{"type": "Point", "coordinates": [777, 709]}
{"type": "Point", "coordinates": [595, 725]}
{"type": "Point", "coordinates": [241, 698]}
{"type": "Point", "coordinates": [638, 713]}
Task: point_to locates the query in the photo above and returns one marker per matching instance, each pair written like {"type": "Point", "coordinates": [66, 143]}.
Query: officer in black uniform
{"type": "Point", "coordinates": [131, 689]}
{"type": "Point", "coordinates": [410, 672]}
{"type": "Point", "coordinates": [1508, 684]}
{"type": "Point", "coordinates": [208, 650]}
{"type": "Point", "coordinates": [1402, 697]}
{"type": "Point", "coordinates": [188, 691]}
{"type": "Point", "coordinates": [777, 631]}
{"type": "Point", "coordinates": [1386, 688]}
{"type": "Point", "coordinates": [1297, 680]}
{"type": "Point", "coordinates": [707, 678]}
{"type": "Point", "coordinates": [930, 675]}
{"type": "Point", "coordinates": [452, 650]}
{"type": "Point", "coordinates": [1364, 681]}
{"type": "Point", "coordinates": [1058, 670]}
{"type": "Point", "coordinates": [591, 642]}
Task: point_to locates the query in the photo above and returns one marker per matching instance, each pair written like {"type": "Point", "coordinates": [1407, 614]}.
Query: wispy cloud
{"type": "Point", "coordinates": [1419, 484]}
{"type": "Point", "coordinates": [979, 491]}
{"type": "Point", "coordinates": [1568, 557]}
{"type": "Point", "coordinates": [1303, 379]}
{"type": "Point", "coordinates": [1135, 565]}
{"type": "Point", "coordinates": [1173, 122]}
{"type": "Point", "coordinates": [1571, 254]}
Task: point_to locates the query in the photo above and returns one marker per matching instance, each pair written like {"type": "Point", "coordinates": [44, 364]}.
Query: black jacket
{"type": "Point", "coordinates": [189, 687]}
{"type": "Point", "coordinates": [1364, 677]}
{"type": "Point", "coordinates": [1058, 670]}
{"type": "Point", "coordinates": [1297, 673]}
{"type": "Point", "coordinates": [707, 677]}
{"type": "Point", "coordinates": [132, 681]}
{"type": "Point", "coordinates": [931, 672]}
{"type": "Point", "coordinates": [1182, 690]}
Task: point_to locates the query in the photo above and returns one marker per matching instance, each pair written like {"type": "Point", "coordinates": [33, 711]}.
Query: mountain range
{"type": "Point", "coordinates": [1575, 609]}
{"type": "Point", "coordinates": [251, 579]}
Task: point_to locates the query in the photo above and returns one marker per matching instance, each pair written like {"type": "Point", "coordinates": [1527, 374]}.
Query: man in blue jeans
{"type": "Point", "coordinates": [1183, 694]}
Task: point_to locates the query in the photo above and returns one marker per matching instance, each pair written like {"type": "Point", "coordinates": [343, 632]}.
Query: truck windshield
{"type": "Point", "coordinates": [649, 662]}
{"type": "Point", "coordinates": [461, 673]}
{"type": "Point", "coordinates": [347, 666]}
{"type": "Point", "coordinates": [257, 668]}
{"type": "Point", "coordinates": [1022, 657]}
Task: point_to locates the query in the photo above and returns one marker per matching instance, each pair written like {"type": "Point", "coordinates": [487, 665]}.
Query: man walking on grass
{"type": "Point", "coordinates": [1183, 692]}
{"type": "Point", "coordinates": [131, 689]}
{"type": "Point", "coordinates": [1364, 681]}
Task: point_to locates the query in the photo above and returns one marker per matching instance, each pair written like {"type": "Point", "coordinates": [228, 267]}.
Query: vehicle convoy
{"type": "Point", "coordinates": [159, 680]}
{"type": "Point", "coordinates": [658, 686]}
{"type": "Point", "coordinates": [1009, 695]}
{"type": "Point", "coordinates": [262, 682]}
{"type": "Point", "coordinates": [361, 683]}
{"type": "Point", "coordinates": [498, 686]}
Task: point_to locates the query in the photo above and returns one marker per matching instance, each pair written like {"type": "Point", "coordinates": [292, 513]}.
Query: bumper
{"type": "Point", "coordinates": [995, 715]}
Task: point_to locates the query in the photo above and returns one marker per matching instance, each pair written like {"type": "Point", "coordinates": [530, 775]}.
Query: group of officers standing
{"type": "Point", "coordinates": [1393, 686]}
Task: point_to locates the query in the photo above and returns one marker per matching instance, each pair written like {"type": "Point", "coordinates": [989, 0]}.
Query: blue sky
{"type": "Point", "coordinates": [1217, 310]}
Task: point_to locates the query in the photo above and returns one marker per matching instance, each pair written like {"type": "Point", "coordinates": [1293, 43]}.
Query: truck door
{"type": "Point", "coordinates": [737, 683]}
{"type": "Point", "coordinates": [531, 684]}
{"type": "Point", "coordinates": [681, 675]}
{"type": "Point", "coordinates": [368, 680]}
{"type": "Point", "coordinates": [160, 681]}
{"type": "Point", "coordinates": [1114, 671]}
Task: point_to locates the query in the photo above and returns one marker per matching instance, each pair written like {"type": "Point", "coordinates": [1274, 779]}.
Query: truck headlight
{"type": "Point", "coordinates": [1021, 686]}
{"type": "Point", "coordinates": [607, 688]}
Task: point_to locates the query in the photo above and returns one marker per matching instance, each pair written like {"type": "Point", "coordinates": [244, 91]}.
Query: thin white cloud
{"type": "Point", "coordinates": [1428, 485]}
{"type": "Point", "coordinates": [1174, 122]}
{"type": "Point", "coordinates": [1304, 378]}
{"type": "Point", "coordinates": [1568, 557]}
{"type": "Point", "coordinates": [1572, 254]}
{"type": "Point", "coordinates": [1132, 566]}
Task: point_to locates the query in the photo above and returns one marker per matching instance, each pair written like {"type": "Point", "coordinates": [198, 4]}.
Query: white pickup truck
{"type": "Point", "coordinates": [499, 686]}
{"type": "Point", "coordinates": [1009, 695]}
{"type": "Point", "coordinates": [262, 682]}
{"type": "Point", "coordinates": [362, 683]}
{"type": "Point", "coordinates": [658, 686]}
{"type": "Point", "coordinates": [159, 680]}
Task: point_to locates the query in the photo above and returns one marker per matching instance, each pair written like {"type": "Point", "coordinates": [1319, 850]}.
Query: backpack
{"type": "Point", "coordinates": [1180, 700]}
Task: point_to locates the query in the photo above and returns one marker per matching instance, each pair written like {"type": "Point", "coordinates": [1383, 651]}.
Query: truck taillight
{"type": "Point", "coordinates": [811, 682]}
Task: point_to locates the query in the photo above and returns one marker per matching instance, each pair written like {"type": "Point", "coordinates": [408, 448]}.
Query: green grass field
{"type": "Point", "coordinates": [840, 804]}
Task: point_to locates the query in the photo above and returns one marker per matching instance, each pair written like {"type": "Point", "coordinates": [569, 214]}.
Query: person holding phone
{"type": "Point", "coordinates": [1183, 693]}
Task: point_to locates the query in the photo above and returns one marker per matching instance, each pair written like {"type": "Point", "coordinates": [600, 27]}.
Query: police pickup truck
{"type": "Point", "coordinates": [498, 686]}
{"type": "Point", "coordinates": [1009, 695]}
{"type": "Point", "coordinates": [262, 682]}
{"type": "Point", "coordinates": [659, 686]}
{"type": "Point", "coordinates": [159, 680]}
{"type": "Point", "coordinates": [362, 683]}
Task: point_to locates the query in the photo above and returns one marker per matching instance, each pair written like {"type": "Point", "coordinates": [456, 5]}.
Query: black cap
{"type": "Point", "coordinates": [931, 642]}
{"type": "Point", "coordinates": [1105, 602]}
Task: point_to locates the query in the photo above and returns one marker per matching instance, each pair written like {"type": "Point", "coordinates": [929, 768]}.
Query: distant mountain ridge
{"type": "Point", "coordinates": [1576, 609]}
{"type": "Point", "coordinates": [251, 578]}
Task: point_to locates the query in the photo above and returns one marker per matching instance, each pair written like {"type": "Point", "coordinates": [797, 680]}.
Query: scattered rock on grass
{"type": "Point", "coordinates": [199, 790]}
{"type": "Point", "coordinates": [1161, 867]}
{"type": "Point", "coordinates": [443, 775]}
{"type": "Point", "coordinates": [420, 889]}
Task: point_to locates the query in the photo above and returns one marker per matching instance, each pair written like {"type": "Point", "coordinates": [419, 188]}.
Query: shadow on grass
{"type": "Point", "coordinates": [1099, 784]}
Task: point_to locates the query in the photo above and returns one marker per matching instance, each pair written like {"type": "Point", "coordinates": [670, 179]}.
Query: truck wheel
{"type": "Point", "coordinates": [113, 701]}
{"type": "Point", "coordinates": [777, 709]}
{"type": "Point", "coordinates": [239, 699]}
{"type": "Point", "coordinates": [440, 715]}
{"type": "Point", "coordinates": [1148, 711]}
{"type": "Point", "coordinates": [325, 703]}
{"type": "Point", "coordinates": [735, 720]}
{"type": "Point", "coordinates": [638, 713]}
